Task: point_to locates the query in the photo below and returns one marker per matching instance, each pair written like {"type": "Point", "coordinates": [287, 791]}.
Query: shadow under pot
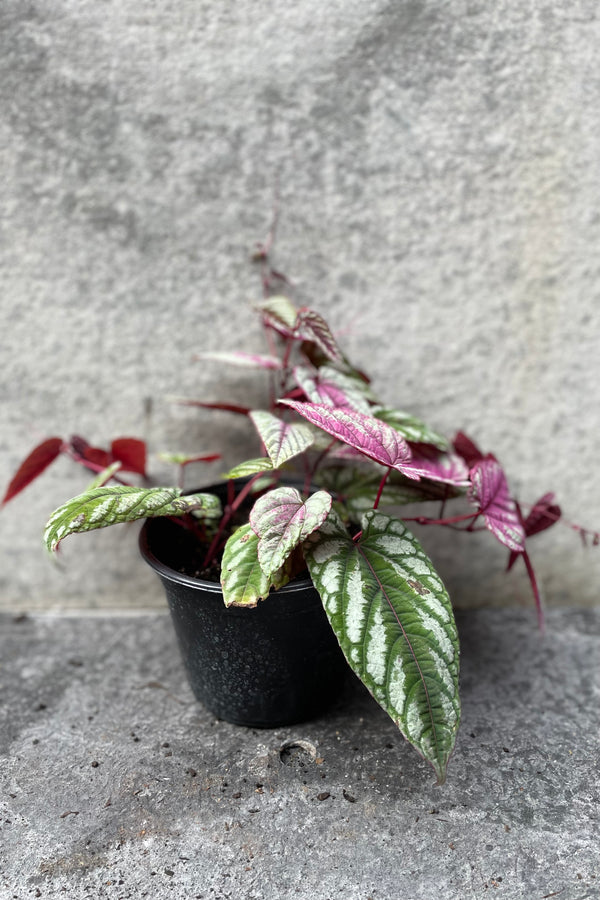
{"type": "Point", "coordinates": [276, 664]}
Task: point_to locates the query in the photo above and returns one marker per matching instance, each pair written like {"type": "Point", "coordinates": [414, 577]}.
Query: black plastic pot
{"type": "Point", "coordinates": [276, 664]}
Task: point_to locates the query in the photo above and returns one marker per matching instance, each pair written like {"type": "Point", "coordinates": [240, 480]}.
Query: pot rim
{"type": "Point", "coordinates": [165, 571]}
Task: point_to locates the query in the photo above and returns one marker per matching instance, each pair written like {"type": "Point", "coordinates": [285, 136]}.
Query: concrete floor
{"type": "Point", "coordinates": [117, 784]}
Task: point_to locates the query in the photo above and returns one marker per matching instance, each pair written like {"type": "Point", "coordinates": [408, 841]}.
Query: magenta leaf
{"type": "Point", "coordinates": [489, 492]}
{"type": "Point", "coordinates": [311, 326]}
{"type": "Point", "coordinates": [447, 468]}
{"type": "Point", "coordinates": [372, 437]}
{"type": "Point", "coordinates": [282, 521]}
{"type": "Point", "coordinates": [246, 360]}
{"type": "Point", "coordinates": [33, 465]}
{"type": "Point", "coordinates": [131, 453]}
{"type": "Point", "coordinates": [466, 448]}
{"type": "Point", "coordinates": [332, 388]}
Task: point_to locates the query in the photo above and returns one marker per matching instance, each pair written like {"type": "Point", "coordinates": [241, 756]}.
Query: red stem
{"type": "Point", "coordinates": [381, 487]}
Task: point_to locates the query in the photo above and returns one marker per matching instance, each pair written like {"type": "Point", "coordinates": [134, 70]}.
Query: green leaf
{"type": "Point", "coordinates": [282, 440]}
{"type": "Point", "coordinates": [282, 520]}
{"type": "Point", "coordinates": [394, 622]}
{"type": "Point", "coordinates": [279, 309]}
{"type": "Point", "coordinates": [103, 506]}
{"type": "Point", "coordinates": [410, 428]}
{"type": "Point", "coordinates": [243, 581]}
{"type": "Point", "coordinates": [250, 467]}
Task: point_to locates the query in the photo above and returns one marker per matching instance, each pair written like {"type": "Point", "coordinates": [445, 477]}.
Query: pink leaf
{"type": "Point", "coordinates": [489, 491]}
{"type": "Point", "coordinates": [371, 436]}
{"type": "Point", "coordinates": [447, 468]}
{"type": "Point", "coordinates": [33, 465]}
{"type": "Point", "coordinates": [465, 447]}
{"type": "Point", "coordinates": [282, 521]}
{"type": "Point", "coordinates": [131, 453]}
{"type": "Point", "coordinates": [332, 388]}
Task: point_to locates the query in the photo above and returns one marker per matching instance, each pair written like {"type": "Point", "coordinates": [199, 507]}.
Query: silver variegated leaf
{"type": "Point", "coordinates": [282, 520]}
{"type": "Point", "coordinates": [279, 311]}
{"type": "Point", "coordinates": [282, 440]}
{"type": "Point", "coordinates": [243, 581]}
{"type": "Point", "coordinates": [245, 360]}
{"type": "Point", "coordinates": [394, 621]}
{"type": "Point", "coordinates": [105, 506]}
{"type": "Point", "coordinates": [250, 467]}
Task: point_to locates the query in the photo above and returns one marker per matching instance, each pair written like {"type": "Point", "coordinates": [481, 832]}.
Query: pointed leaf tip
{"type": "Point", "coordinates": [33, 465]}
{"type": "Point", "coordinates": [395, 624]}
{"type": "Point", "coordinates": [104, 506]}
{"type": "Point", "coordinates": [369, 435]}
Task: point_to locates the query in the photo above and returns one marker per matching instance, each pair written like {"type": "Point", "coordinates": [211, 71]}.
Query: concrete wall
{"type": "Point", "coordinates": [439, 185]}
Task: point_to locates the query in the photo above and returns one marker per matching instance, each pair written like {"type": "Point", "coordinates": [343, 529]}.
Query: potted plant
{"type": "Point", "coordinates": [305, 545]}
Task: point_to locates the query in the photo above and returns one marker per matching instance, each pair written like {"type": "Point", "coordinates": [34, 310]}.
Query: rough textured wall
{"type": "Point", "coordinates": [439, 189]}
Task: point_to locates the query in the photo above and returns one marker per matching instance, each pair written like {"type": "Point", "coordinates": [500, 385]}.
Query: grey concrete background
{"type": "Point", "coordinates": [439, 187]}
{"type": "Point", "coordinates": [116, 784]}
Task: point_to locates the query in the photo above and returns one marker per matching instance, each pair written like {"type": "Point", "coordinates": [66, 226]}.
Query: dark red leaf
{"type": "Point", "coordinates": [226, 407]}
{"type": "Point", "coordinates": [34, 464]}
{"type": "Point", "coordinates": [131, 453]}
{"type": "Point", "coordinates": [466, 448]}
{"type": "Point", "coordinates": [544, 514]}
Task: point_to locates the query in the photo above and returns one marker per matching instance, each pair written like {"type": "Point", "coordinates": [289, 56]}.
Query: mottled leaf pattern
{"type": "Point", "coordinates": [243, 581]}
{"type": "Point", "coordinates": [105, 506]}
{"type": "Point", "coordinates": [489, 492]}
{"type": "Point", "coordinates": [250, 467]}
{"type": "Point", "coordinates": [332, 388]}
{"type": "Point", "coordinates": [357, 490]}
{"type": "Point", "coordinates": [394, 622]}
{"type": "Point", "coordinates": [447, 468]}
{"type": "Point", "coordinates": [282, 520]}
{"type": "Point", "coordinates": [282, 440]}
{"type": "Point", "coordinates": [311, 326]}
{"type": "Point", "coordinates": [371, 436]}
{"type": "Point", "coordinates": [279, 312]}
{"type": "Point", "coordinates": [411, 429]}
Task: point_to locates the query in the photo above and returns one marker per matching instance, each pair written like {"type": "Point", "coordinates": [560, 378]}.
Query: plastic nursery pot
{"type": "Point", "coordinates": [276, 664]}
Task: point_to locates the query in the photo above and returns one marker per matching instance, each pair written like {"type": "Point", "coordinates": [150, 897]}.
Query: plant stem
{"type": "Point", "coordinates": [230, 510]}
{"type": "Point", "coordinates": [381, 487]}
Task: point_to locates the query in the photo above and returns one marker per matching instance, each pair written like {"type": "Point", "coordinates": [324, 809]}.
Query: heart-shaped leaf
{"type": "Point", "coordinates": [282, 520]}
{"type": "Point", "coordinates": [489, 492]}
{"type": "Point", "coordinates": [105, 506]}
{"type": "Point", "coordinates": [394, 621]}
{"type": "Point", "coordinates": [32, 466]}
{"type": "Point", "coordinates": [411, 429]}
{"type": "Point", "coordinates": [371, 436]}
{"type": "Point", "coordinates": [282, 440]}
{"type": "Point", "coordinates": [332, 388]}
{"type": "Point", "coordinates": [243, 581]}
